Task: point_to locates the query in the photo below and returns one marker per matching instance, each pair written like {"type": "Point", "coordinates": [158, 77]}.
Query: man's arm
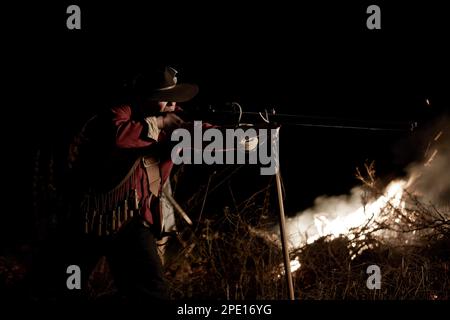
{"type": "Point", "coordinates": [131, 133]}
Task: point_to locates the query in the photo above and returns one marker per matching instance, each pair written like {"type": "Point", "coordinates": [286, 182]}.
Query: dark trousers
{"type": "Point", "coordinates": [131, 254]}
{"type": "Point", "coordinates": [135, 264]}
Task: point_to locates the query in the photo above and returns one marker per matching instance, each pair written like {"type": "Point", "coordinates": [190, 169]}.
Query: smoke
{"type": "Point", "coordinates": [428, 178]}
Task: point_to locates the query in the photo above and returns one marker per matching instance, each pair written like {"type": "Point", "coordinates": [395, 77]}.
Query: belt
{"type": "Point", "coordinates": [151, 165]}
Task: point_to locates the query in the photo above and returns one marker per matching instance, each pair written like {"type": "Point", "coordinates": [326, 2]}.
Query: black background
{"type": "Point", "coordinates": [310, 59]}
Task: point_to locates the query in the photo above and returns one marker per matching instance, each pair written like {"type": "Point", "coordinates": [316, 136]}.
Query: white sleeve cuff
{"type": "Point", "coordinates": [153, 130]}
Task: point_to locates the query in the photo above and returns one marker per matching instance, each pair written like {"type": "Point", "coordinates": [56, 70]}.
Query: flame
{"type": "Point", "coordinates": [344, 221]}
{"type": "Point", "coordinates": [340, 222]}
{"type": "Point", "coordinates": [295, 265]}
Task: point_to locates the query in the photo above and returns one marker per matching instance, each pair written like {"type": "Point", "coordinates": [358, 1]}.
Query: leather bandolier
{"type": "Point", "coordinates": [106, 212]}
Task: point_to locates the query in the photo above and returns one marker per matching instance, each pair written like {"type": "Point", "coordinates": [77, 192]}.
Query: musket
{"type": "Point", "coordinates": [233, 115]}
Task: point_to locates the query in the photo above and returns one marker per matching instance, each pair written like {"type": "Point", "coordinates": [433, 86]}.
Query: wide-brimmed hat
{"type": "Point", "coordinates": [160, 84]}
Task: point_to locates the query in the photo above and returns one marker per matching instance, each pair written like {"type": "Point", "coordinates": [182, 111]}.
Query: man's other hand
{"type": "Point", "coordinates": [169, 121]}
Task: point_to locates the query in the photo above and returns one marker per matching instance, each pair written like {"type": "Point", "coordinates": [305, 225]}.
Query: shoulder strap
{"type": "Point", "coordinates": [153, 171]}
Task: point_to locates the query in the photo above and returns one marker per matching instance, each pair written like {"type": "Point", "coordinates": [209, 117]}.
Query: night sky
{"type": "Point", "coordinates": [301, 59]}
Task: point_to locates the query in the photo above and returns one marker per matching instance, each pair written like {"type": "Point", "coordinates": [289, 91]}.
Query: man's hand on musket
{"type": "Point", "coordinates": [169, 121]}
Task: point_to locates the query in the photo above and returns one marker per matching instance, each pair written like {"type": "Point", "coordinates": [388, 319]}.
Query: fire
{"type": "Point", "coordinates": [344, 218]}
{"type": "Point", "coordinates": [386, 217]}
{"type": "Point", "coordinates": [295, 265]}
{"type": "Point", "coordinates": [363, 215]}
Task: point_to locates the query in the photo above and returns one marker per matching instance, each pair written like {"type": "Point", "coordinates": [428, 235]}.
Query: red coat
{"type": "Point", "coordinates": [112, 143]}
{"type": "Point", "coordinates": [132, 133]}
{"type": "Point", "coordinates": [105, 151]}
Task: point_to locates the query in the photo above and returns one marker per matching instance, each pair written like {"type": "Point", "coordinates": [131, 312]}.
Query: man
{"type": "Point", "coordinates": [123, 161]}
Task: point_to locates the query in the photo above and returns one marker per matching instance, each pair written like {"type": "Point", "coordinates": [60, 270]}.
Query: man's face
{"type": "Point", "coordinates": [157, 106]}
{"type": "Point", "coordinates": [165, 106]}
